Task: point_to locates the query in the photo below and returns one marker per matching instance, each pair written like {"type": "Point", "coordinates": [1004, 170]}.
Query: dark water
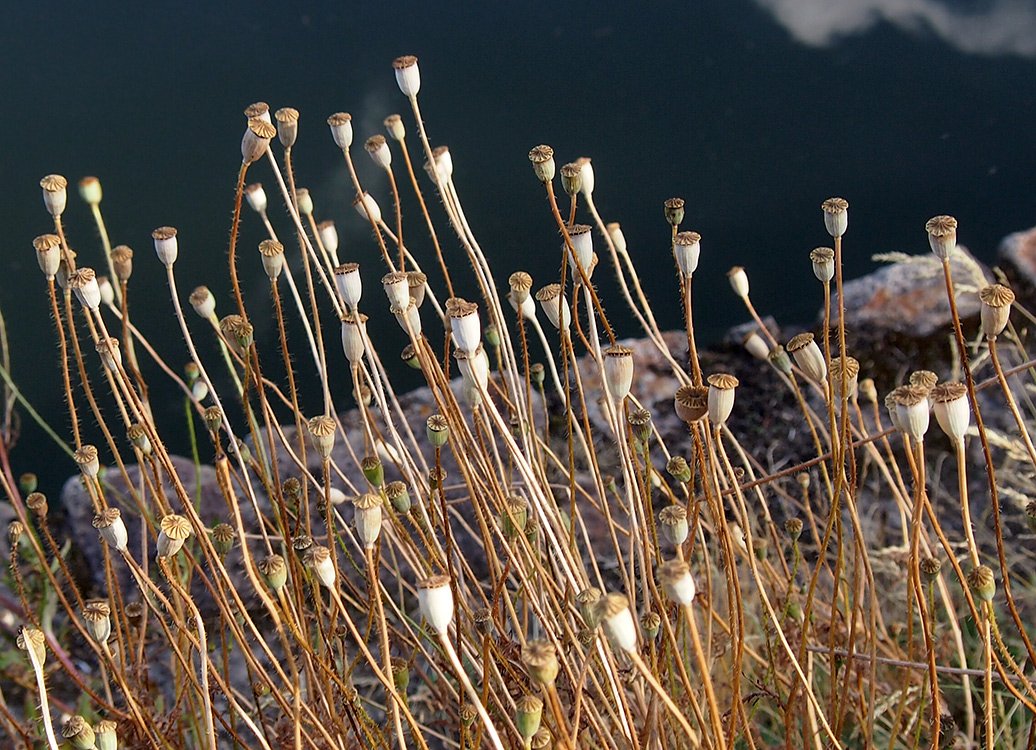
{"type": "Point", "coordinates": [754, 111]}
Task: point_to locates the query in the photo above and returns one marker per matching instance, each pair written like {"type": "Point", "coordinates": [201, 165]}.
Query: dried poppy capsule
{"type": "Point", "coordinates": [542, 158]}
{"type": "Point", "coordinates": [836, 216]}
{"type": "Point", "coordinates": [408, 75]}
{"type": "Point", "coordinates": [541, 662]}
{"type": "Point", "coordinates": [173, 532]}
{"type": "Point", "coordinates": [942, 235]}
{"type": "Point", "coordinates": [341, 124]}
{"type": "Point", "coordinates": [952, 409]}
{"type": "Point", "coordinates": [436, 602]}
{"type": "Point", "coordinates": [367, 518]}
{"type": "Point", "coordinates": [617, 620]}
{"type": "Point", "coordinates": [823, 259]}
{"type": "Point", "coordinates": [676, 580]}
{"type": "Point", "coordinates": [256, 140]}
{"type": "Point", "coordinates": [721, 397]}
{"type": "Point", "coordinates": [996, 309]}
{"type": "Point", "coordinates": [803, 348]}
{"type": "Point", "coordinates": [618, 370]}
{"type": "Point", "coordinates": [687, 250]}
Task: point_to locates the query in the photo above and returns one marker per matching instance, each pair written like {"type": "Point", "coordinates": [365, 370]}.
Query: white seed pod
{"type": "Point", "coordinates": [397, 289]}
{"type": "Point", "coordinates": [836, 216]}
{"type": "Point", "coordinates": [555, 306]}
{"type": "Point", "coordinates": [672, 522]}
{"type": "Point", "coordinates": [353, 327]}
{"type": "Point", "coordinates": [583, 243]}
{"type": "Point", "coordinates": [90, 191]}
{"type": "Point", "coordinates": [755, 346]}
{"type": "Point", "coordinates": [258, 111]}
{"type": "Point", "coordinates": [852, 373]}
{"type": "Point", "coordinates": [318, 558]}
{"type": "Point", "coordinates": [526, 308]}
{"type": "Point", "coordinates": [349, 284]}
{"type": "Point", "coordinates": [687, 250]}
{"type": "Point", "coordinates": [173, 532]}
{"type": "Point", "coordinates": [409, 318]}
{"type": "Point", "coordinates": [272, 253]}
{"type": "Point", "coordinates": [256, 140]}
{"type": "Point", "coordinates": [823, 259]}
{"type": "Point", "coordinates": [586, 176]}
{"type": "Point", "coordinates": [111, 356]}
{"type": "Point", "coordinates": [408, 75]}
{"type": "Point", "coordinates": [738, 281]}
{"type": "Point", "coordinates": [807, 355]}
{"type": "Point", "coordinates": [200, 391]}
{"type": "Point", "coordinates": [443, 160]}
{"type": "Point", "coordinates": [913, 410]}
{"type": "Point", "coordinates": [952, 409]}
{"type": "Point", "coordinates": [942, 236]}
{"type": "Point", "coordinates": [618, 371]}
{"type": "Point", "coordinates": [435, 599]}
{"type": "Point", "coordinates": [617, 237]}
{"type": "Point", "coordinates": [55, 194]}
{"type": "Point", "coordinates": [203, 302]}
{"type": "Point", "coordinates": [367, 519]}
{"type": "Point", "coordinates": [341, 124]}
{"type": "Point", "coordinates": [474, 368]}
{"type": "Point", "coordinates": [465, 326]}
{"type": "Point", "coordinates": [256, 197]}
{"type": "Point", "coordinates": [305, 201]}
{"type": "Point", "coordinates": [394, 126]}
{"type": "Point", "coordinates": [322, 433]}
{"type": "Point", "coordinates": [380, 153]}
{"type": "Point", "coordinates": [287, 125]}
{"type": "Point", "coordinates": [418, 283]}
{"type": "Point", "coordinates": [328, 236]}
{"type": "Point", "coordinates": [166, 246]}
{"type": "Point", "coordinates": [617, 620]}
{"type": "Point", "coordinates": [48, 254]}
{"type": "Point", "coordinates": [893, 412]}
{"type": "Point", "coordinates": [111, 528]}
{"type": "Point", "coordinates": [996, 309]}
{"type": "Point", "coordinates": [677, 582]}
{"type": "Point", "coordinates": [83, 282]}
{"type": "Point", "coordinates": [107, 291]}
{"type": "Point", "coordinates": [721, 396]}
{"type": "Point", "coordinates": [336, 496]}
{"type": "Point", "coordinates": [97, 616]}
{"type": "Point", "coordinates": [367, 205]}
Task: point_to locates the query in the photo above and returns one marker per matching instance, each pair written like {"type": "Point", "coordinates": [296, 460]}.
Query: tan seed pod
{"type": "Point", "coordinates": [996, 309]}
{"type": "Point", "coordinates": [942, 235]}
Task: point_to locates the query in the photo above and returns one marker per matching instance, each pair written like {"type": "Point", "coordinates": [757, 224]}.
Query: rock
{"type": "Point", "coordinates": [1017, 256]}
{"type": "Point", "coordinates": [909, 297]}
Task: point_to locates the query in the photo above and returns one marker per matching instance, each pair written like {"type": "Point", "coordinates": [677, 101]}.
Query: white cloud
{"type": "Point", "coordinates": [997, 27]}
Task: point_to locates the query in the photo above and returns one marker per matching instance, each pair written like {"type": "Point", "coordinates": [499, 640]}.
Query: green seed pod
{"type": "Point", "coordinates": [587, 602]}
{"type": "Point", "coordinates": [437, 430]}
{"type": "Point", "coordinates": [491, 336]}
{"type": "Point", "coordinates": [373, 470]}
{"type": "Point", "coordinates": [930, 567]}
{"type": "Point", "coordinates": [650, 624]}
{"type": "Point", "coordinates": [983, 583]}
{"type": "Point", "coordinates": [79, 733]}
{"type": "Point", "coordinates": [223, 538]}
{"type": "Point", "coordinates": [275, 570]}
{"type": "Point", "coordinates": [399, 496]}
{"type": "Point", "coordinates": [674, 211]}
{"type": "Point", "coordinates": [793, 528]}
{"type": "Point", "coordinates": [409, 355]}
{"type": "Point", "coordinates": [528, 715]}
{"type": "Point", "coordinates": [105, 736]}
{"type": "Point", "coordinates": [515, 517]}
{"type": "Point", "coordinates": [400, 675]}
{"type": "Point", "coordinates": [541, 662]}
{"type": "Point", "coordinates": [28, 482]}
{"type": "Point", "coordinates": [678, 469]}
{"type": "Point", "coordinates": [537, 374]}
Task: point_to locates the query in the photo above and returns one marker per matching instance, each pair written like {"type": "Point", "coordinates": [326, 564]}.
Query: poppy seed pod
{"type": "Point", "coordinates": [677, 582]}
{"type": "Point", "coordinates": [691, 402]}
{"type": "Point", "coordinates": [526, 308]}
{"type": "Point", "coordinates": [924, 378]}
{"type": "Point", "coordinates": [328, 236]}
{"type": "Point", "coordinates": [97, 616]}
{"type": "Point", "coordinates": [555, 306]}
{"type": "Point", "coordinates": [166, 246]}
{"type": "Point", "coordinates": [318, 559]}
{"type": "Point", "coordinates": [474, 368]}
{"type": "Point", "coordinates": [84, 283]}
{"type": "Point", "coordinates": [272, 253]}
{"type": "Point", "coordinates": [90, 191]}
{"type": "Point", "coordinates": [673, 209]}
{"type": "Point", "coordinates": [942, 236]}
{"type": "Point", "coordinates": [541, 661]}
{"type": "Point", "coordinates": [571, 178]}
{"type": "Point", "coordinates": [437, 429]}
{"type": "Point", "coordinates": [55, 194]}
{"type": "Point", "coordinates": [112, 528]}
{"type": "Point", "coordinates": [440, 169]}
{"type": "Point", "coordinates": [823, 259]}
{"type": "Point", "coordinates": [287, 125]}
{"type": "Point", "coordinates": [721, 397]}
{"type": "Point", "coordinates": [687, 250]}
{"type": "Point", "coordinates": [851, 366]}
{"type": "Point", "coordinates": [408, 75]}
{"type": "Point", "coordinates": [341, 124]}
{"type": "Point", "coordinates": [586, 175]}
{"type": "Point", "coordinates": [417, 283]}
{"type": "Point", "coordinates": [435, 600]}
{"type": "Point", "coordinates": [353, 336]}
{"type": "Point", "coordinates": [379, 151]}
{"type": "Point", "coordinates": [398, 494]}
{"type": "Point", "coordinates": [322, 433]}
{"type": "Point", "coordinates": [173, 532]}
{"type": "Point", "coordinates": [367, 519]}
{"type": "Point", "coordinates": [983, 583]}
{"type": "Point", "coordinates": [807, 355]}
{"type": "Point", "coordinates": [465, 326]}
{"type": "Point", "coordinates": [104, 286]}
{"type": "Point", "coordinates": [996, 309]}
{"type": "Point", "coordinates": [583, 243]}
{"type": "Point", "coordinates": [672, 522]}
{"type": "Point", "coordinates": [86, 458]}
{"type": "Point", "coordinates": [617, 237]}
{"type": "Point", "coordinates": [755, 346]}
{"type": "Point", "coordinates": [105, 735]}
{"type": "Point", "coordinates": [394, 126]}
{"type": "Point", "coordinates": [542, 158]}
{"type": "Point", "coordinates": [365, 205]}
{"type": "Point", "coordinates": [836, 216]}
{"type": "Point", "coordinates": [397, 289]}
{"type": "Point", "coordinates": [586, 601]}
{"type": "Point", "coordinates": [256, 197]}
{"type": "Point", "coordinates": [203, 302]}
{"type": "Point", "coordinates": [528, 715]}
{"type": "Point", "coordinates": [913, 410]}
{"type": "Point", "coordinates": [349, 284]}
{"type": "Point", "coordinates": [893, 412]}
{"type": "Point", "coordinates": [256, 140]}
{"type": "Point", "coordinates": [617, 620]}
{"type": "Point", "coordinates": [275, 570]}
{"type": "Point", "coordinates": [678, 468]}
{"type": "Point", "coordinates": [520, 283]}
{"type": "Point", "coordinates": [618, 370]}
{"type": "Point", "coordinates": [48, 254]}
{"type": "Point", "coordinates": [223, 537]}
{"type": "Point", "coordinates": [408, 317]}
{"type": "Point", "coordinates": [952, 409]}
{"type": "Point", "coordinates": [79, 733]}
{"type": "Point", "coordinates": [258, 111]}
{"type": "Point", "coordinates": [738, 281]}
{"type": "Point", "coordinates": [305, 201]}
{"type": "Point", "coordinates": [108, 348]}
